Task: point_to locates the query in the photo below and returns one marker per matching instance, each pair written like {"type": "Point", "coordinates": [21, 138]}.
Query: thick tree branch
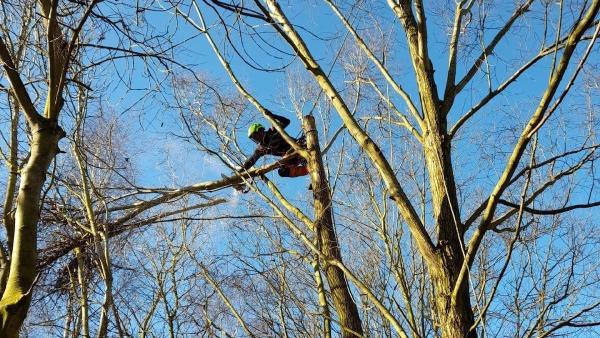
{"type": "Point", "coordinates": [459, 13]}
{"type": "Point", "coordinates": [18, 88]}
{"type": "Point", "coordinates": [417, 45]}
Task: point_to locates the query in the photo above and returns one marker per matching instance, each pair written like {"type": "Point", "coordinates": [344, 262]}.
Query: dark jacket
{"type": "Point", "coordinates": [271, 144]}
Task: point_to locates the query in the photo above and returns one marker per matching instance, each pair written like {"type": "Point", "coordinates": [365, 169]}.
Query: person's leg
{"type": "Point", "coordinates": [293, 171]}
{"type": "Point", "coordinates": [299, 171]}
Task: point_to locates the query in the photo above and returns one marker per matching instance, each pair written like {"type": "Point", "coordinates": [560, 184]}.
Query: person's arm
{"type": "Point", "coordinates": [258, 153]}
{"type": "Point", "coordinates": [284, 122]}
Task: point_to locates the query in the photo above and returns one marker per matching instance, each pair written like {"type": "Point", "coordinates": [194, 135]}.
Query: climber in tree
{"type": "Point", "coordinates": [270, 142]}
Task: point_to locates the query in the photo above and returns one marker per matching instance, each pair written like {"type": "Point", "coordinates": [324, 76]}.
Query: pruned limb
{"type": "Point", "coordinates": [230, 181]}
{"type": "Point", "coordinates": [118, 226]}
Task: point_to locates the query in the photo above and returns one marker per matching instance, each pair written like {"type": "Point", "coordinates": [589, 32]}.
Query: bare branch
{"type": "Point", "coordinates": [384, 71]}
{"type": "Point", "coordinates": [572, 41]}
{"type": "Point", "coordinates": [522, 9]}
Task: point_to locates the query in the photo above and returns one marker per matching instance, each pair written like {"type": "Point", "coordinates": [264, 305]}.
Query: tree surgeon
{"type": "Point", "coordinates": [270, 142]}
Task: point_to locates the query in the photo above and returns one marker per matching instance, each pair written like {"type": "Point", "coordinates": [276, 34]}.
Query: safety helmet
{"type": "Point", "coordinates": [254, 127]}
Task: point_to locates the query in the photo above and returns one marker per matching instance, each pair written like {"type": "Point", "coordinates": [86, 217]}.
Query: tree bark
{"type": "Point", "coordinates": [83, 298]}
{"type": "Point", "coordinates": [9, 198]}
{"type": "Point", "coordinates": [342, 299]}
{"type": "Point", "coordinates": [17, 295]}
{"type": "Point", "coordinates": [455, 317]}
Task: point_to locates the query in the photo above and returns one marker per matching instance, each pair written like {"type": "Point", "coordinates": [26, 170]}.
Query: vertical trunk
{"type": "Point", "coordinates": [11, 185]}
{"type": "Point", "coordinates": [455, 318]}
{"type": "Point", "coordinates": [45, 134]}
{"type": "Point", "coordinates": [322, 297]}
{"type": "Point", "coordinates": [84, 323]}
{"type": "Point", "coordinates": [342, 299]}
{"type": "Point", "coordinates": [17, 295]}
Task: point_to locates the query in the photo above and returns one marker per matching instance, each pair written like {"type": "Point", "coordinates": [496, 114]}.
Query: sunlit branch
{"type": "Point", "coordinates": [382, 68]}
{"type": "Point", "coordinates": [523, 8]}
{"type": "Point", "coordinates": [572, 41]}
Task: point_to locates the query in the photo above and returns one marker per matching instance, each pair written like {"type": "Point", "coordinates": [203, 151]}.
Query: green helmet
{"type": "Point", "coordinates": [254, 127]}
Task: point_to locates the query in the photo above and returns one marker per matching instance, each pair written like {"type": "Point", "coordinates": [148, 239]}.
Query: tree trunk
{"type": "Point", "coordinates": [17, 295]}
{"type": "Point", "coordinates": [342, 299]}
{"type": "Point", "coordinates": [84, 323]}
{"type": "Point", "coordinates": [455, 318]}
{"type": "Point", "coordinates": [11, 185]}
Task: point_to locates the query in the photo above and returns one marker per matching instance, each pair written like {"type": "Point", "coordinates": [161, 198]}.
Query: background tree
{"type": "Point", "coordinates": [53, 55]}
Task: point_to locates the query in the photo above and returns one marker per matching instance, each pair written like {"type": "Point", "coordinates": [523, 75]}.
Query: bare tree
{"type": "Point", "coordinates": [45, 134]}
{"type": "Point", "coordinates": [48, 49]}
{"type": "Point", "coordinates": [447, 242]}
